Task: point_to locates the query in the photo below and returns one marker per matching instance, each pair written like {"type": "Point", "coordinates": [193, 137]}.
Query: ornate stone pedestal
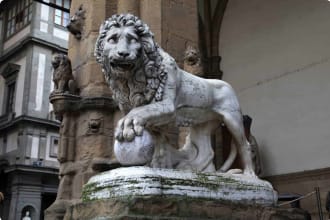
{"type": "Point", "coordinates": [146, 193]}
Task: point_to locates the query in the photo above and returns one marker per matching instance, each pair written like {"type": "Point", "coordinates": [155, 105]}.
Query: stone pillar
{"type": "Point", "coordinates": [87, 117]}
{"type": "Point", "coordinates": [129, 6]}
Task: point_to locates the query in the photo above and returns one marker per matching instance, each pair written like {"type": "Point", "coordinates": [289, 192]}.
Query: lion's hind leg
{"type": "Point", "coordinates": [199, 142]}
{"type": "Point", "coordinates": [234, 122]}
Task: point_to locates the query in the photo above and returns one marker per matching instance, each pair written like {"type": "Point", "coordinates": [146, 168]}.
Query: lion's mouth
{"type": "Point", "coordinates": [191, 59]}
{"type": "Point", "coordinates": [124, 66]}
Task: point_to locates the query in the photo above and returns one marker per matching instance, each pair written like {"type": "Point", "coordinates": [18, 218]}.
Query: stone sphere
{"type": "Point", "coordinates": [137, 152]}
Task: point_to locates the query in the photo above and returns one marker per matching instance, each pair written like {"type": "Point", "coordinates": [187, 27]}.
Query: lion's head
{"type": "Point", "coordinates": [127, 51]}
{"type": "Point", "coordinates": [191, 56]}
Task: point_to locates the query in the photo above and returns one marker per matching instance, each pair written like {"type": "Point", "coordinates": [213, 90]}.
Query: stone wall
{"type": "Point", "coordinates": [276, 55]}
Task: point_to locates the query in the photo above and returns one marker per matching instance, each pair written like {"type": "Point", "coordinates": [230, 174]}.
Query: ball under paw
{"type": "Point", "coordinates": [137, 152]}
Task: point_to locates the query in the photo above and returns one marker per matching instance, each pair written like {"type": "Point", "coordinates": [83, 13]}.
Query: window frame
{"type": "Point", "coordinates": [52, 151]}
{"type": "Point", "coordinates": [18, 10]}
{"type": "Point", "coordinates": [63, 21]}
{"type": "Point", "coordinates": [10, 97]}
{"type": "Point", "coordinates": [10, 74]}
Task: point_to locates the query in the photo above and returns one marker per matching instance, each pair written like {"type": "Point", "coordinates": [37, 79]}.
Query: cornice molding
{"type": "Point", "coordinates": [6, 124]}
{"type": "Point", "coordinates": [26, 41]}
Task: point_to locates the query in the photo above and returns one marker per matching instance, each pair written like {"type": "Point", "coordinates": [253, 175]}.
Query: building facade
{"type": "Point", "coordinates": [30, 33]}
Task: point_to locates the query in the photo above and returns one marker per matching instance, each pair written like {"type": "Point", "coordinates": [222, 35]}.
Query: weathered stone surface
{"type": "Point", "coordinates": [175, 208]}
{"type": "Point", "coordinates": [144, 181]}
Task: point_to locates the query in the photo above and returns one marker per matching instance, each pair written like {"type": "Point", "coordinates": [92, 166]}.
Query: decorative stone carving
{"type": "Point", "coordinates": [192, 61]}
{"type": "Point", "coordinates": [153, 91]}
{"type": "Point", "coordinates": [62, 75]}
{"type": "Point", "coordinates": [77, 22]}
{"type": "Point", "coordinates": [94, 125]}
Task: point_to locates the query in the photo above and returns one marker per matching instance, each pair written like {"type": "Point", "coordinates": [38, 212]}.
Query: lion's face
{"type": "Point", "coordinates": [191, 56]}
{"type": "Point", "coordinates": [122, 51]}
{"type": "Point", "coordinates": [59, 59]}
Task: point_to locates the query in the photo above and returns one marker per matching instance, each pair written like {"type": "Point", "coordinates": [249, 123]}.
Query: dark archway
{"type": "Point", "coordinates": [210, 13]}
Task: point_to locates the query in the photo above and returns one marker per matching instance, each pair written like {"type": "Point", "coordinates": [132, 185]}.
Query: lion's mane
{"type": "Point", "coordinates": [150, 79]}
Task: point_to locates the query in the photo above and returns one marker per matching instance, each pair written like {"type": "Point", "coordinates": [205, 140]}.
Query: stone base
{"type": "Point", "coordinates": [175, 208]}
{"type": "Point", "coordinates": [147, 193]}
{"type": "Point", "coordinates": [57, 210]}
{"type": "Point", "coordinates": [144, 181]}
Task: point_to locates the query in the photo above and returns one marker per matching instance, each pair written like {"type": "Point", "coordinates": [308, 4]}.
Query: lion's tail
{"type": "Point", "coordinates": [230, 159]}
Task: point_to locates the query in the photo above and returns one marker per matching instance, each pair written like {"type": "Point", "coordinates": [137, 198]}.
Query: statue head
{"type": "Point", "coordinates": [61, 60]}
{"type": "Point", "coordinates": [123, 45]}
{"type": "Point", "coordinates": [126, 50]}
{"type": "Point", "coordinates": [191, 55]}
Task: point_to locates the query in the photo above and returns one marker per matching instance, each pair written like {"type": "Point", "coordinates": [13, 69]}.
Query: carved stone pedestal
{"type": "Point", "coordinates": [175, 208]}
{"type": "Point", "coordinates": [146, 193]}
{"type": "Point", "coordinates": [85, 145]}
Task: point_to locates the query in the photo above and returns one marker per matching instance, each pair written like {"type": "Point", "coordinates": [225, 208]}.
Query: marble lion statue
{"type": "Point", "coordinates": [153, 92]}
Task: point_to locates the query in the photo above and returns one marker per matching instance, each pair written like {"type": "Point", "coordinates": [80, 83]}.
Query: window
{"type": "Point", "coordinates": [10, 97]}
{"type": "Point", "coordinates": [61, 17]}
{"type": "Point", "coordinates": [18, 16]}
{"type": "Point", "coordinates": [54, 143]}
{"type": "Point", "coordinates": [10, 73]}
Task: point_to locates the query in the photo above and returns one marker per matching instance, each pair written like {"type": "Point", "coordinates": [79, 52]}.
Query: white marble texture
{"type": "Point", "coordinates": [137, 152]}
{"type": "Point", "coordinates": [145, 181]}
{"type": "Point", "coordinates": [153, 92]}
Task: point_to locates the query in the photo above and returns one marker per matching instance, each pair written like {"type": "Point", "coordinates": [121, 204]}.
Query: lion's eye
{"type": "Point", "coordinates": [133, 40]}
{"type": "Point", "coordinates": [112, 39]}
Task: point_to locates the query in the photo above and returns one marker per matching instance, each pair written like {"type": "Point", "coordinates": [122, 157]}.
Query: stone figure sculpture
{"type": "Point", "coordinates": [27, 216]}
{"type": "Point", "coordinates": [192, 61]}
{"type": "Point", "coordinates": [153, 91]}
{"type": "Point", "coordinates": [76, 23]}
{"type": "Point", "coordinates": [62, 75]}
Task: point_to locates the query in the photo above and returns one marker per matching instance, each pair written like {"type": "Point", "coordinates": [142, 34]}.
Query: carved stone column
{"type": "Point", "coordinates": [87, 115]}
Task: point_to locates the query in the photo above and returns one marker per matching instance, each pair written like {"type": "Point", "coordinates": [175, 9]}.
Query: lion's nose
{"type": "Point", "coordinates": [123, 53]}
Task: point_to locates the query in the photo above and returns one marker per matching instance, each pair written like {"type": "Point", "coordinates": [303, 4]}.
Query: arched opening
{"type": "Point", "coordinates": [28, 212]}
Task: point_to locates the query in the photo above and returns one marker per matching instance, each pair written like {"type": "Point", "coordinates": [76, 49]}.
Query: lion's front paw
{"type": "Point", "coordinates": [128, 128]}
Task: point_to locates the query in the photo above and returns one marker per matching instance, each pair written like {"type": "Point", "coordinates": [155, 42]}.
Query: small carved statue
{"type": "Point", "coordinates": [62, 75]}
{"type": "Point", "coordinates": [153, 92]}
{"type": "Point", "coordinates": [76, 23]}
{"type": "Point", "coordinates": [27, 216]}
{"type": "Point", "coordinates": [192, 61]}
